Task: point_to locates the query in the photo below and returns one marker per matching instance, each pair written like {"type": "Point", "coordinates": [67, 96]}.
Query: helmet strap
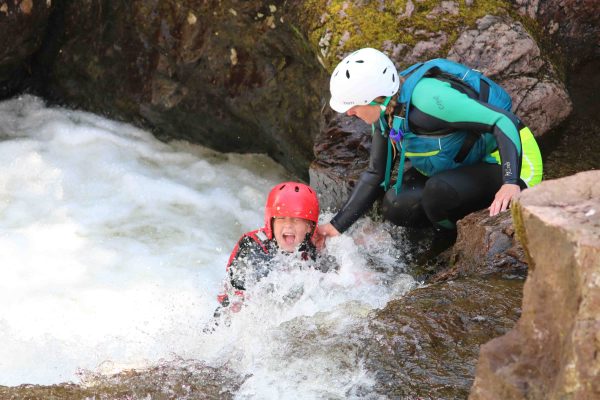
{"type": "Point", "coordinates": [383, 107]}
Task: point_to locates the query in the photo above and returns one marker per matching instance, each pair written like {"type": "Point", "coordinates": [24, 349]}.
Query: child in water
{"type": "Point", "coordinates": [291, 216]}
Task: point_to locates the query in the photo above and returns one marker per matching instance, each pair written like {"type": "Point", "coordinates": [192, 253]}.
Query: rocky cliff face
{"type": "Point", "coordinates": [570, 27]}
{"type": "Point", "coordinates": [251, 76]}
{"type": "Point", "coordinates": [23, 26]}
{"type": "Point", "coordinates": [554, 350]}
{"type": "Point", "coordinates": [231, 75]}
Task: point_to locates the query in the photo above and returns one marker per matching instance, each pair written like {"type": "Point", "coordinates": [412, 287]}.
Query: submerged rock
{"type": "Point", "coordinates": [425, 345]}
{"type": "Point", "coordinates": [552, 353]}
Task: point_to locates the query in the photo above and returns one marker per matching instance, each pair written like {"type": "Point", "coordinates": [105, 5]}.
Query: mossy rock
{"type": "Point", "coordinates": [336, 27]}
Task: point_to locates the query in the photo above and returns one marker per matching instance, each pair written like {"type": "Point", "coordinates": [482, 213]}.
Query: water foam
{"type": "Point", "coordinates": [113, 248]}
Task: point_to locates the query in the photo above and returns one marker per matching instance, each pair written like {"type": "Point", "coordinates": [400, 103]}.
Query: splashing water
{"type": "Point", "coordinates": [113, 246]}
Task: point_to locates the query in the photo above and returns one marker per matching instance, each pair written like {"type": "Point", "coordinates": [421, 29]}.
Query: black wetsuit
{"type": "Point", "coordinates": [251, 260]}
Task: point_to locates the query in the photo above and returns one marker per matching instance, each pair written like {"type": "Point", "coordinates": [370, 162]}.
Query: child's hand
{"type": "Point", "coordinates": [235, 307]}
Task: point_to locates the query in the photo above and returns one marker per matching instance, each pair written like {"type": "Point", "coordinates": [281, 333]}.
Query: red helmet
{"type": "Point", "coordinates": [291, 199]}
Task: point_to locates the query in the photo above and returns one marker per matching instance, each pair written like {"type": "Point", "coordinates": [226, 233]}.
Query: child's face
{"type": "Point", "coordinates": [290, 232]}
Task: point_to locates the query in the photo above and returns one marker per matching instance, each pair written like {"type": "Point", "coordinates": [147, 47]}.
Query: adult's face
{"type": "Point", "coordinates": [368, 113]}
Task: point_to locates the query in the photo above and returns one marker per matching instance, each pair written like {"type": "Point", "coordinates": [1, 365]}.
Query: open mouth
{"type": "Point", "coordinates": [289, 238]}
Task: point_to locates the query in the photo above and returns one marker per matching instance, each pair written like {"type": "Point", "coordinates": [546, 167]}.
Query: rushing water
{"type": "Point", "coordinates": [113, 247]}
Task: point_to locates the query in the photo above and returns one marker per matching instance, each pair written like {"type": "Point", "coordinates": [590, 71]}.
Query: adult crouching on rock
{"type": "Point", "coordinates": [467, 149]}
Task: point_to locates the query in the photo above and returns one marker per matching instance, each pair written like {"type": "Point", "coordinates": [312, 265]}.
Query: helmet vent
{"type": "Point", "coordinates": [360, 61]}
{"type": "Point", "coordinates": [336, 73]}
{"type": "Point", "coordinates": [282, 186]}
{"type": "Point", "coordinates": [393, 78]}
{"type": "Point", "coordinates": [385, 70]}
{"type": "Point", "coordinates": [296, 189]}
{"type": "Point", "coordinates": [347, 74]}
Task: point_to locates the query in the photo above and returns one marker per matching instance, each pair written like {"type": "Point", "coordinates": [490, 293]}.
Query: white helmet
{"type": "Point", "coordinates": [361, 77]}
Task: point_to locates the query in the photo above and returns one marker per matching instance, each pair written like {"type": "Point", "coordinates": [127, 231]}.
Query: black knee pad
{"type": "Point", "coordinates": [404, 208]}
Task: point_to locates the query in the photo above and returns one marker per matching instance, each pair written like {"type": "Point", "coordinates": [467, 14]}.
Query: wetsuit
{"type": "Point", "coordinates": [440, 187]}
{"type": "Point", "coordinates": [251, 260]}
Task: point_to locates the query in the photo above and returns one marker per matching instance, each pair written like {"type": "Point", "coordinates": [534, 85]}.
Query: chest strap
{"type": "Point", "coordinates": [395, 139]}
{"type": "Point", "coordinates": [466, 147]}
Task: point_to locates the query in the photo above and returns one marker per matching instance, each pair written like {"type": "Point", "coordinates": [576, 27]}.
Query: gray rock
{"type": "Point", "coordinates": [503, 50]}
{"type": "Point", "coordinates": [541, 104]}
{"type": "Point", "coordinates": [427, 49]}
{"type": "Point", "coordinates": [445, 7]}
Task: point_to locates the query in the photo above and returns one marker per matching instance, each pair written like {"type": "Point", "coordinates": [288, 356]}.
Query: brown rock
{"type": "Point", "coordinates": [484, 245]}
{"type": "Point", "coordinates": [22, 26]}
{"type": "Point", "coordinates": [342, 154]}
{"type": "Point", "coordinates": [554, 350]}
{"type": "Point", "coordinates": [571, 27]}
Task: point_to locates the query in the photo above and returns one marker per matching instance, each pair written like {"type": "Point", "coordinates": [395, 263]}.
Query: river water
{"type": "Point", "coordinates": [113, 248]}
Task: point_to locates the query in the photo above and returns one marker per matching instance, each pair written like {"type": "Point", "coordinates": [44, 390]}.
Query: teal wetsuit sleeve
{"type": "Point", "coordinates": [442, 107]}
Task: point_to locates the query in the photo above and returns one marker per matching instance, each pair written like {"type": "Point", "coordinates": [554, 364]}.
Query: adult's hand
{"type": "Point", "coordinates": [328, 230]}
{"type": "Point", "coordinates": [503, 198]}
{"type": "Point", "coordinates": [323, 231]}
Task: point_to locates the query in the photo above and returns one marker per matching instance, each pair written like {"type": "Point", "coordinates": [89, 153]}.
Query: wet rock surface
{"type": "Point", "coordinates": [342, 154]}
{"type": "Point", "coordinates": [426, 343]}
{"type": "Point", "coordinates": [188, 380]}
{"type": "Point", "coordinates": [234, 76]}
{"type": "Point", "coordinates": [552, 353]}
{"type": "Point", "coordinates": [484, 246]}
{"type": "Point", "coordinates": [23, 25]}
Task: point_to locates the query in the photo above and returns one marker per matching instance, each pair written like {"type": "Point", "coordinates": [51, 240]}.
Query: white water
{"type": "Point", "coordinates": [113, 247]}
